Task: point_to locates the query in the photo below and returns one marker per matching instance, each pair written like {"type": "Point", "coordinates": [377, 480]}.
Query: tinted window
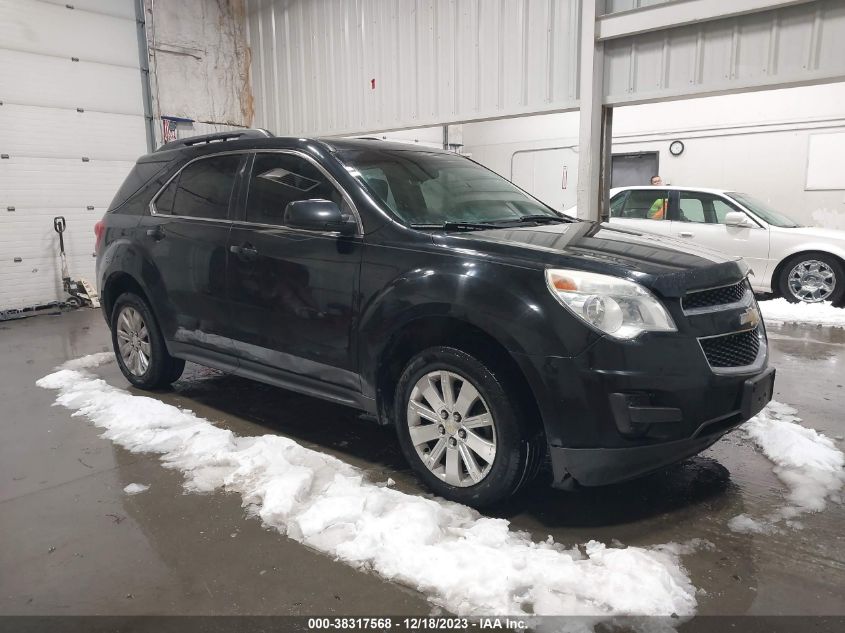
{"type": "Point", "coordinates": [164, 201]}
{"type": "Point", "coordinates": [646, 204]}
{"type": "Point", "coordinates": [279, 179]}
{"type": "Point", "coordinates": [205, 187]}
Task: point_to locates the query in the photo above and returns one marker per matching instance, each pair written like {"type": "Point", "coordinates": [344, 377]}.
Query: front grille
{"type": "Point", "coordinates": [732, 350]}
{"type": "Point", "coordinates": [715, 296]}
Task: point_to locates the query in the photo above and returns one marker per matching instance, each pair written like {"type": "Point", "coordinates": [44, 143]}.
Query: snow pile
{"type": "Point", "coordinates": [465, 562]}
{"type": "Point", "coordinates": [781, 311]}
{"type": "Point", "coordinates": [88, 362]}
{"type": "Point", "coordinates": [134, 489]}
{"type": "Point", "coordinates": [806, 461]}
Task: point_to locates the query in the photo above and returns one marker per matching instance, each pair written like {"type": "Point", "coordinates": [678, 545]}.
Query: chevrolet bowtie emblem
{"type": "Point", "coordinates": [751, 317]}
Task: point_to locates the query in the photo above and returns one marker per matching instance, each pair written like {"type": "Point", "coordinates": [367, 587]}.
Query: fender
{"type": "Point", "coordinates": [511, 304]}
{"type": "Point", "coordinates": [811, 244]}
{"type": "Point", "coordinates": [124, 257]}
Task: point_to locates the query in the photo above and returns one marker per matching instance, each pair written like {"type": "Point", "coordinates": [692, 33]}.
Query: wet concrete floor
{"type": "Point", "coordinates": [71, 542]}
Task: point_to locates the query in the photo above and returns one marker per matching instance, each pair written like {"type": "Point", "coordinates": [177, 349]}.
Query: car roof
{"type": "Point", "coordinates": [712, 190]}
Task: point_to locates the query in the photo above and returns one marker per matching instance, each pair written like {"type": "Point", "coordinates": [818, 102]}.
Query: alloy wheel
{"type": "Point", "coordinates": [133, 341]}
{"type": "Point", "coordinates": [811, 281]}
{"type": "Point", "coordinates": [452, 428]}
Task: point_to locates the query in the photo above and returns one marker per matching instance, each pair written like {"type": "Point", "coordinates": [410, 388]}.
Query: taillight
{"type": "Point", "coordinates": [99, 231]}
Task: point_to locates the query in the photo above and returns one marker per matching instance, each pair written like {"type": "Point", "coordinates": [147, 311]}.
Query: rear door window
{"type": "Point", "coordinates": [204, 188]}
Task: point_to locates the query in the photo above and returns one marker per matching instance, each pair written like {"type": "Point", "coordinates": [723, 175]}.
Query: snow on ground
{"type": "Point", "coordinates": [805, 460]}
{"type": "Point", "coordinates": [463, 561]}
{"type": "Point", "coordinates": [134, 489]}
{"type": "Point", "coordinates": [781, 311]}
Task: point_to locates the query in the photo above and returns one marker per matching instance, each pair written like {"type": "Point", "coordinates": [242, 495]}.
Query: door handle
{"type": "Point", "coordinates": [246, 252]}
{"type": "Point", "coordinates": [157, 233]}
{"type": "Point", "coordinates": [685, 234]}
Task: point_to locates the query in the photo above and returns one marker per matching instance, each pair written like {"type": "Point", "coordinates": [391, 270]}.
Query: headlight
{"type": "Point", "coordinates": [615, 306]}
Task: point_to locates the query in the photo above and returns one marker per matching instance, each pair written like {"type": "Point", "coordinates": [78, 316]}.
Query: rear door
{"type": "Point", "coordinates": [186, 237]}
{"type": "Point", "coordinates": [645, 209]}
{"type": "Point", "coordinates": [293, 292]}
{"type": "Point", "coordinates": [701, 219]}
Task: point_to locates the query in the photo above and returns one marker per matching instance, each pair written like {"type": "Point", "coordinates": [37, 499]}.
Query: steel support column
{"type": "Point", "coordinates": [595, 128]}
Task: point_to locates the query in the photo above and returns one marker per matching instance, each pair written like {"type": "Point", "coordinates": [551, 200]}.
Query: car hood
{"type": "Point", "coordinates": [813, 232]}
{"type": "Point", "coordinates": [668, 265]}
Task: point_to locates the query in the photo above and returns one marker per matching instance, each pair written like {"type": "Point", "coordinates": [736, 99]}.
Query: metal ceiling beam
{"type": "Point", "coordinates": [672, 14]}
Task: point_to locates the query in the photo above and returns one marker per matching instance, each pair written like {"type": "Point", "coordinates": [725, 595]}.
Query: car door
{"type": "Point", "coordinates": [186, 235]}
{"type": "Point", "coordinates": [701, 219]}
{"type": "Point", "coordinates": [292, 291]}
{"type": "Point", "coordinates": [645, 209]}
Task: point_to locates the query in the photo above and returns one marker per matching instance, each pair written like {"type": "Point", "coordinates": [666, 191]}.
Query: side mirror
{"type": "Point", "coordinates": [737, 218]}
{"type": "Point", "coordinates": [318, 215]}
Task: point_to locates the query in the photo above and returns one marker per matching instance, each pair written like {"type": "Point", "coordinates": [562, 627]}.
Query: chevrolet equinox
{"type": "Point", "coordinates": [492, 332]}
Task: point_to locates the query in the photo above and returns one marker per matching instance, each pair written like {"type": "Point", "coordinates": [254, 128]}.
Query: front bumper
{"type": "Point", "coordinates": [604, 424]}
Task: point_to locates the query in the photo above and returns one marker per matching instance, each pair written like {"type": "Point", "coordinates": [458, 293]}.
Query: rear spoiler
{"type": "Point", "coordinates": [215, 138]}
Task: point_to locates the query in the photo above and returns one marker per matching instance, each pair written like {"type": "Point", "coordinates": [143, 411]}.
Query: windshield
{"type": "Point", "coordinates": [775, 218]}
{"type": "Point", "coordinates": [428, 188]}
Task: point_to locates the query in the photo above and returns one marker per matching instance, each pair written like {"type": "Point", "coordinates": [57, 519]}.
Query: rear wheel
{"type": "Point", "coordinates": [811, 278]}
{"type": "Point", "coordinates": [139, 347]}
{"type": "Point", "coordinates": [459, 429]}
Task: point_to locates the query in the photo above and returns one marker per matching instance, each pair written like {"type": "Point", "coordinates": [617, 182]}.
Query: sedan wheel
{"type": "Point", "coordinates": [812, 281]}
{"type": "Point", "coordinates": [452, 428]}
{"type": "Point", "coordinates": [133, 341]}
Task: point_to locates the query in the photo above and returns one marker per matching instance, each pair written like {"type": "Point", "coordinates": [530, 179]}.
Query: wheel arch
{"type": "Point", "coordinates": [448, 331]}
{"type": "Point", "coordinates": [801, 252]}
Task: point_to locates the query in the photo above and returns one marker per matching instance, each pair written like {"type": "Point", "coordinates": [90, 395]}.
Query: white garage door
{"type": "Point", "coordinates": [71, 126]}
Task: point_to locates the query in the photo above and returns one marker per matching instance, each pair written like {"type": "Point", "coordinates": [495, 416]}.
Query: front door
{"type": "Point", "coordinates": [701, 219]}
{"type": "Point", "coordinates": [293, 292]}
{"type": "Point", "coordinates": [186, 236]}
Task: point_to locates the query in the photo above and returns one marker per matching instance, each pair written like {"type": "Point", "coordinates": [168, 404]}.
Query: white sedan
{"type": "Point", "coordinates": [800, 263]}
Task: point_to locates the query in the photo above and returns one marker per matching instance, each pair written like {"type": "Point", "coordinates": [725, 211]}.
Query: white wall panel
{"type": "Point", "coordinates": [30, 79]}
{"type": "Point", "coordinates": [433, 61]}
{"type": "Point", "coordinates": [67, 33]}
{"type": "Point", "coordinates": [59, 182]}
{"type": "Point", "coordinates": [45, 137]}
{"type": "Point", "coordinates": [60, 133]}
{"type": "Point", "coordinates": [116, 8]}
{"type": "Point", "coordinates": [795, 45]}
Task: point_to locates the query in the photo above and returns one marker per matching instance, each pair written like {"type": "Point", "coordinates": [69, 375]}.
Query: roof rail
{"type": "Point", "coordinates": [215, 138]}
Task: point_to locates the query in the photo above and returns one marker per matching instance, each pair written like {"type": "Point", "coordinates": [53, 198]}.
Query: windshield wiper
{"type": "Point", "coordinates": [542, 218]}
{"type": "Point", "coordinates": [456, 226]}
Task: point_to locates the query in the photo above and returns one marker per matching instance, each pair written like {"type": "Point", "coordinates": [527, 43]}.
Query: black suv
{"type": "Point", "coordinates": [418, 286]}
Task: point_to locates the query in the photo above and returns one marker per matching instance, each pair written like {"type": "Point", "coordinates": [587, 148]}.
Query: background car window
{"type": "Point", "coordinates": [692, 210]}
{"type": "Point", "coordinates": [205, 187]}
{"type": "Point", "coordinates": [721, 209]}
{"type": "Point", "coordinates": [703, 207]}
{"type": "Point", "coordinates": [646, 204]}
{"type": "Point", "coordinates": [164, 202]}
{"type": "Point", "coordinates": [616, 205]}
{"type": "Point", "coordinates": [279, 179]}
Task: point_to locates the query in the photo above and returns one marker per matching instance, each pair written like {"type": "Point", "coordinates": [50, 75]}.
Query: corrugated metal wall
{"type": "Point", "coordinates": [448, 61]}
{"type": "Point", "coordinates": [797, 44]}
{"type": "Point", "coordinates": [323, 66]}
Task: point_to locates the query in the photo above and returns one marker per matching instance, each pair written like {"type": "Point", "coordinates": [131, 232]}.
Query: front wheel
{"type": "Point", "coordinates": [139, 347]}
{"type": "Point", "coordinates": [811, 278]}
{"type": "Point", "coordinates": [460, 431]}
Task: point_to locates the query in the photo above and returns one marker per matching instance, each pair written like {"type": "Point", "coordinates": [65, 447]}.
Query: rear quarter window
{"type": "Point", "coordinates": [139, 176]}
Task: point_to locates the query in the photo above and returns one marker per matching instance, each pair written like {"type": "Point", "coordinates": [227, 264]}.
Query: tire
{"type": "Point", "coordinates": [131, 314]}
{"type": "Point", "coordinates": [518, 450]}
{"type": "Point", "coordinates": [812, 277]}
